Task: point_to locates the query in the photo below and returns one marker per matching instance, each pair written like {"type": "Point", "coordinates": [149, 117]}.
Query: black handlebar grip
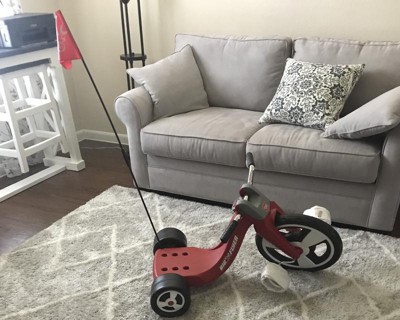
{"type": "Point", "coordinates": [229, 231]}
{"type": "Point", "coordinates": [249, 159]}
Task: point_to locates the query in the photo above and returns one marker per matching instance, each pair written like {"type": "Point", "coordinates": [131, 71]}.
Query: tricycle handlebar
{"type": "Point", "coordinates": [249, 160]}
{"type": "Point", "coordinates": [250, 165]}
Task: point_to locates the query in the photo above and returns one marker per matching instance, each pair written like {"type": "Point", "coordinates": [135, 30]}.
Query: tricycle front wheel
{"type": "Point", "coordinates": [321, 244]}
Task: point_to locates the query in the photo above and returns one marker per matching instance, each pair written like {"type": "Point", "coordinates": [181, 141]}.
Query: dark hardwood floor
{"type": "Point", "coordinates": [35, 209]}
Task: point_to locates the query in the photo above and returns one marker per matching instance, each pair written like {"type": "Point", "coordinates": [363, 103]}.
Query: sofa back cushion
{"type": "Point", "coordinates": [381, 59]}
{"type": "Point", "coordinates": [239, 72]}
{"type": "Point", "coordinates": [174, 84]}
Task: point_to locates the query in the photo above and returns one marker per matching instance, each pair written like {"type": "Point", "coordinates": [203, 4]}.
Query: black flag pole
{"type": "Point", "coordinates": [124, 154]}
{"type": "Point", "coordinates": [68, 50]}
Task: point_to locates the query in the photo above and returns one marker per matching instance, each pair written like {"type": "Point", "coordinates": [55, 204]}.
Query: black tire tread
{"type": "Point", "coordinates": [312, 222]}
{"type": "Point", "coordinates": [166, 282]}
{"type": "Point", "coordinates": [169, 238]}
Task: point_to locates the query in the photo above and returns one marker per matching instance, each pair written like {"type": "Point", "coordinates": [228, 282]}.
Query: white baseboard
{"type": "Point", "coordinates": [100, 136]}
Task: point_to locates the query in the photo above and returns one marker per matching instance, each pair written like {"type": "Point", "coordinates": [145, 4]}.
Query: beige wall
{"type": "Point", "coordinates": [97, 29]}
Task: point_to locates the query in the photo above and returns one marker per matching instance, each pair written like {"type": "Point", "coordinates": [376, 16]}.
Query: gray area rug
{"type": "Point", "coordinates": [96, 263]}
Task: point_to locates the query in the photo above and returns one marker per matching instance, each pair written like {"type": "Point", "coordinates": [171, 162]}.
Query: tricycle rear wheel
{"type": "Point", "coordinates": [170, 295]}
{"type": "Point", "coordinates": [169, 238]}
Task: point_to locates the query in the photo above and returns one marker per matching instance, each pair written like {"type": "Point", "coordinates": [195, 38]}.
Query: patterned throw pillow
{"type": "Point", "coordinates": [311, 94]}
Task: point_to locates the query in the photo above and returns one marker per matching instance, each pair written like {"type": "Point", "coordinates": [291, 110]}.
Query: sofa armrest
{"type": "Point", "coordinates": [387, 194]}
{"type": "Point", "coordinates": [135, 109]}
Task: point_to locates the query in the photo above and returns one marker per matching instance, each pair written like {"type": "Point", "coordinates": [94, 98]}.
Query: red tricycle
{"type": "Point", "coordinates": [293, 241]}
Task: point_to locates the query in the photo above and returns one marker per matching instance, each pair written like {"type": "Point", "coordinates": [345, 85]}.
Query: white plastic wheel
{"type": "Point", "coordinates": [320, 213]}
{"type": "Point", "coordinates": [275, 278]}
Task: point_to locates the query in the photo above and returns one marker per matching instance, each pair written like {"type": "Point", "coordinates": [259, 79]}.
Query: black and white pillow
{"type": "Point", "coordinates": [311, 94]}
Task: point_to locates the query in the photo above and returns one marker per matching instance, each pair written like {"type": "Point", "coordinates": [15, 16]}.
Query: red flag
{"type": "Point", "coordinates": [67, 48]}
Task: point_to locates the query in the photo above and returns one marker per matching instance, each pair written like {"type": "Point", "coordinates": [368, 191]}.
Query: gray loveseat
{"type": "Point", "coordinates": [201, 153]}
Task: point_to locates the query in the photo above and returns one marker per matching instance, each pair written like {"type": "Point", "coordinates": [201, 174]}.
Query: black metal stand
{"type": "Point", "coordinates": [129, 56]}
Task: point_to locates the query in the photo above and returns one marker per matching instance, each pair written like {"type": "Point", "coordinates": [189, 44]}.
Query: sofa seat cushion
{"type": "Point", "coordinates": [302, 151]}
{"type": "Point", "coordinates": [212, 135]}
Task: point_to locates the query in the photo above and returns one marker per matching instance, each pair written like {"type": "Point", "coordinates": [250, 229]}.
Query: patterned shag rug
{"type": "Point", "coordinates": [96, 263]}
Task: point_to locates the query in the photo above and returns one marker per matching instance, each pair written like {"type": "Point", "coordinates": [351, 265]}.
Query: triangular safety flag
{"type": "Point", "coordinates": [67, 48]}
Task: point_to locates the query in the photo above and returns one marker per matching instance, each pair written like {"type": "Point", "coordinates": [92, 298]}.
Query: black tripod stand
{"type": "Point", "coordinates": [129, 56]}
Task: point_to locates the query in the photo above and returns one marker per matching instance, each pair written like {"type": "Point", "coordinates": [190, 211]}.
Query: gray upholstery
{"type": "Point", "coordinates": [376, 116]}
{"type": "Point", "coordinates": [297, 150]}
{"type": "Point", "coordinates": [387, 195]}
{"type": "Point", "coordinates": [347, 201]}
{"type": "Point", "coordinates": [135, 109]}
{"type": "Point", "coordinates": [202, 153]}
{"type": "Point", "coordinates": [381, 59]}
{"type": "Point", "coordinates": [239, 72]}
{"type": "Point", "coordinates": [213, 135]}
